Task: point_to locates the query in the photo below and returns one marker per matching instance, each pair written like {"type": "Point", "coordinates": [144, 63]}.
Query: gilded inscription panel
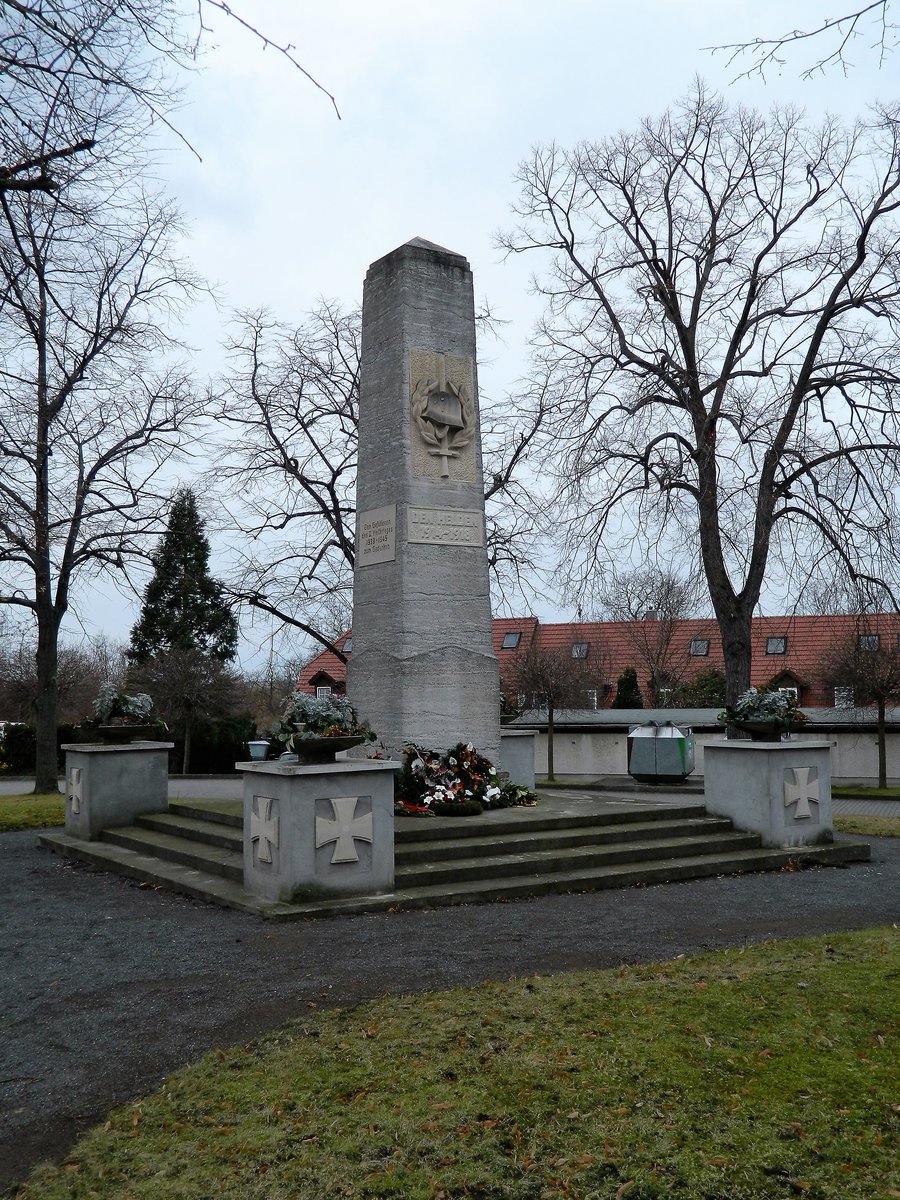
{"type": "Point", "coordinates": [445, 526]}
{"type": "Point", "coordinates": [442, 419]}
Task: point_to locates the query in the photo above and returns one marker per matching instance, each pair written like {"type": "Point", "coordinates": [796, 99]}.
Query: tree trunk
{"type": "Point", "coordinates": [46, 767]}
{"type": "Point", "coordinates": [550, 775]}
{"type": "Point", "coordinates": [882, 749]}
{"type": "Point", "coordinates": [186, 758]}
{"type": "Point", "coordinates": [734, 628]}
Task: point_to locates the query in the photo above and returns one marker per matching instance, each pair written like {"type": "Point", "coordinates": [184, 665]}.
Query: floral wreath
{"type": "Point", "coordinates": [460, 782]}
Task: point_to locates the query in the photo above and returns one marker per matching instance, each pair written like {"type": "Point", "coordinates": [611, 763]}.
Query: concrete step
{"type": "Point", "coordinates": [555, 861]}
{"type": "Point", "coordinates": [212, 860]}
{"type": "Point", "coordinates": [513, 821]}
{"type": "Point", "coordinates": [152, 870]}
{"type": "Point", "coordinates": [206, 886]}
{"type": "Point", "coordinates": [222, 812]}
{"type": "Point", "coordinates": [647, 873]}
{"type": "Point", "coordinates": [210, 833]}
{"type": "Point", "coordinates": [407, 853]}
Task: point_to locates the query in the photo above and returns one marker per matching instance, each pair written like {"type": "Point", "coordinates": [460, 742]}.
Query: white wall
{"type": "Point", "coordinates": [589, 753]}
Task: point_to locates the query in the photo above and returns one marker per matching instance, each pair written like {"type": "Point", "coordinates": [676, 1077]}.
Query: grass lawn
{"type": "Point", "coordinates": [863, 826]}
{"type": "Point", "coordinates": [31, 811]}
{"type": "Point", "coordinates": [769, 1072]}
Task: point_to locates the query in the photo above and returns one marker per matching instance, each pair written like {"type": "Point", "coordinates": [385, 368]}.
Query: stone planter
{"type": "Point", "coordinates": [318, 830]}
{"type": "Point", "coordinates": [323, 749]}
{"type": "Point", "coordinates": [769, 730]}
{"type": "Point", "coordinates": [109, 784]}
{"type": "Point", "coordinates": [114, 735]}
{"type": "Point", "coordinates": [780, 790]}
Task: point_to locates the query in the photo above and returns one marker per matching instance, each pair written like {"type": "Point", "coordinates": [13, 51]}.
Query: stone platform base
{"type": "Point", "coordinates": [197, 848]}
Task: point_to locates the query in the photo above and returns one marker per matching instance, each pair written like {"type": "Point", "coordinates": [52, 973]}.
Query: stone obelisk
{"type": "Point", "coordinates": [422, 669]}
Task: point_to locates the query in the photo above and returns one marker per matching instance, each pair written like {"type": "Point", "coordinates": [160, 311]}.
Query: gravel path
{"type": "Point", "coordinates": [106, 985]}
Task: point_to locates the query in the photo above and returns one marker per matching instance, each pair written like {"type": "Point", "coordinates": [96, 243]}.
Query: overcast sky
{"type": "Point", "coordinates": [439, 102]}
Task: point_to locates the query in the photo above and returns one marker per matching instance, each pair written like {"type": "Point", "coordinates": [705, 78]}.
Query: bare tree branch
{"type": "Point", "coordinates": [291, 400]}
{"type": "Point", "coordinates": [721, 339]}
{"type": "Point", "coordinates": [834, 35]}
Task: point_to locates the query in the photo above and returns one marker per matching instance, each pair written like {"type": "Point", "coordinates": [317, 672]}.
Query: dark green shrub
{"type": "Point", "coordinates": [628, 694]}
{"type": "Point", "coordinates": [17, 748]}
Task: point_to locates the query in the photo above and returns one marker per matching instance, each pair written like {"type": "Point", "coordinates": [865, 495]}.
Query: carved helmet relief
{"type": "Point", "coordinates": [442, 416]}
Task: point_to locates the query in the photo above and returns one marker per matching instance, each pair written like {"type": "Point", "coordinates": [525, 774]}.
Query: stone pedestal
{"type": "Point", "coordinates": [423, 668]}
{"type": "Point", "coordinates": [110, 785]}
{"type": "Point", "coordinates": [780, 790]}
{"type": "Point", "coordinates": [323, 830]}
{"type": "Point", "coordinates": [517, 756]}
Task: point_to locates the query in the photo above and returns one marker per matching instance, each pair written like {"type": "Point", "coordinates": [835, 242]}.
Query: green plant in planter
{"type": "Point", "coordinates": [761, 711]}
{"type": "Point", "coordinates": [306, 718]}
{"type": "Point", "coordinates": [118, 708]}
{"type": "Point", "coordinates": [119, 711]}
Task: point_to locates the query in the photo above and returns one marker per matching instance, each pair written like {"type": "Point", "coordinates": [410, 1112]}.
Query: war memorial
{"type": "Point", "coordinates": [311, 838]}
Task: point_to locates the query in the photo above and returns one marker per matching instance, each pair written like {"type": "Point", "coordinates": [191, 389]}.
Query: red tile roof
{"type": "Point", "coordinates": [615, 645]}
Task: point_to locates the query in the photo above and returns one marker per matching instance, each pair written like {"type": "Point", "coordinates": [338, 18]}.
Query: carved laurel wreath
{"type": "Point", "coordinates": [454, 440]}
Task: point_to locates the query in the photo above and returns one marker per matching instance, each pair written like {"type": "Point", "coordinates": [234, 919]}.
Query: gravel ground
{"type": "Point", "coordinates": [106, 986]}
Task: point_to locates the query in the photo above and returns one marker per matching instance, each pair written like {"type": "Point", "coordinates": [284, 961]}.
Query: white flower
{"type": "Point", "coordinates": [469, 747]}
{"type": "Point", "coordinates": [452, 762]}
{"type": "Point", "coordinates": [491, 793]}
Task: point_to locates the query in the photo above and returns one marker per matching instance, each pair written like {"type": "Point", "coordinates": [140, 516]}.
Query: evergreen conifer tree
{"type": "Point", "coordinates": [628, 694]}
{"type": "Point", "coordinates": [183, 608]}
{"type": "Point", "coordinates": [186, 632]}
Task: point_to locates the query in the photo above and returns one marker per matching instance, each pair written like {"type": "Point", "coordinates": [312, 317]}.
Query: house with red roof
{"type": "Point", "coordinates": [787, 652]}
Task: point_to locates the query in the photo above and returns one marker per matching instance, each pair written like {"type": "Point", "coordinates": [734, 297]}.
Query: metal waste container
{"type": "Point", "coordinates": [660, 753]}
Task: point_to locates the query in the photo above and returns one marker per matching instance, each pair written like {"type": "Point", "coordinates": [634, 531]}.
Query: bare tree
{"type": "Point", "coordinates": [53, 53]}
{"type": "Point", "coordinates": [721, 335]}
{"type": "Point", "coordinates": [650, 602]}
{"type": "Point", "coordinates": [187, 685]}
{"type": "Point", "coordinates": [264, 689]}
{"type": "Point", "coordinates": [292, 399]}
{"type": "Point", "coordinates": [832, 40]}
{"type": "Point", "coordinates": [90, 405]}
{"type": "Point", "coordinates": [81, 669]}
{"type": "Point", "coordinates": [554, 679]}
{"type": "Point", "coordinates": [871, 669]}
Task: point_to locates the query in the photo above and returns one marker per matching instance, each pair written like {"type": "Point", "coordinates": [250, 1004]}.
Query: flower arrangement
{"type": "Point", "coordinates": [308, 717]}
{"type": "Point", "coordinates": [776, 708]}
{"type": "Point", "coordinates": [460, 782]}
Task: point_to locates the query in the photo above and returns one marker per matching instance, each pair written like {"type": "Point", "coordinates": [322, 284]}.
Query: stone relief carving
{"type": "Point", "coordinates": [74, 790]}
{"type": "Point", "coordinates": [442, 416]}
{"type": "Point", "coordinates": [344, 829]}
{"type": "Point", "coordinates": [263, 828]}
{"type": "Point", "coordinates": [801, 790]}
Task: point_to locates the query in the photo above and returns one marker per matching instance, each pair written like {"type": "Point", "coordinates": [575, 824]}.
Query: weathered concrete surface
{"type": "Point", "coordinates": [318, 831]}
{"type": "Point", "coordinates": [109, 784]}
{"type": "Point", "coordinates": [780, 790]}
{"type": "Point", "coordinates": [423, 668]}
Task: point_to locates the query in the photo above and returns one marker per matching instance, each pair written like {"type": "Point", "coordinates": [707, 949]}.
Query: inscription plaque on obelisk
{"type": "Point", "coordinates": [422, 669]}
